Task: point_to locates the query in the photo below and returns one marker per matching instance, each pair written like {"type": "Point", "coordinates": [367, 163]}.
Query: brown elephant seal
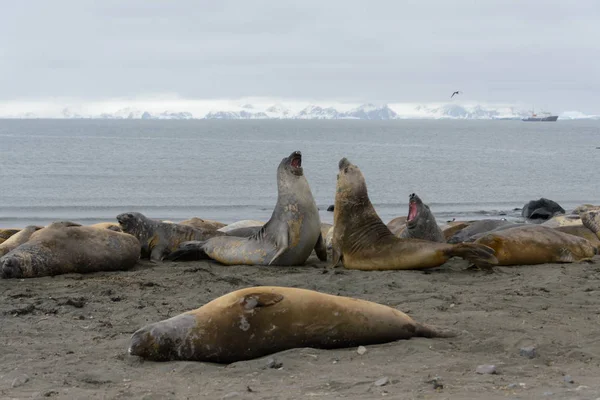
{"type": "Point", "coordinates": [362, 241]}
{"type": "Point", "coordinates": [563, 220]}
{"type": "Point", "coordinates": [108, 225]}
{"type": "Point", "coordinates": [420, 222]}
{"type": "Point", "coordinates": [453, 227]}
{"type": "Point", "coordinates": [257, 321]}
{"type": "Point", "coordinates": [584, 208]}
{"type": "Point", "coordinates": [581, 231]}
{"type": "Point", "coordinates": [477, 227]}
{"type": "Point", "coordinates": [159, 238]}
{"type": "Point", "coordinates": [7, 233]}
{"type": "Point", "coordinates": [65, 247]}
{"type": "Point", "coordinates": [536, 244]}
{"type": "Point", "coordinates": [200, 223]}
{"type": "Point", "coordinates": [18, 239]}
{"type": "Point", "coordinates": [288, 238]}
{"type": "Point", "coordinates": [397, 225]}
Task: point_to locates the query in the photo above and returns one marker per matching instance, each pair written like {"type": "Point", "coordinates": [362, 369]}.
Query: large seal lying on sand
{"type": "Point", "coordinates": [18, 239]}
{"type": "Point", "coordinates": [541, 209]}
{"type": "Point", "coordinates": [257, 321]}
{"type": "Point", "coordinates": [65, 247]}
{"type": "Point", "coordinates": [7, 233]}
{"type": "Point", "coordinates": [159, 238]}
{"type": "Point", "coordinates": [288, 238]}
{"type": "Point", "coordinates": [536, 244]}
{"type": "Point", "coordinates": [478, 227]}
{"type": "Point", "coordinates": [362, 241]}
{"type": "Point", "coordinates": [420, 223]}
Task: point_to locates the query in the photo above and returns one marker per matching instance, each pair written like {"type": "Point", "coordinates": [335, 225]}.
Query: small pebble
{"type": "Point", "coordinates": [486, 369]}
{"type": "Point", "coordinates": [528, 351]}
{"type": "Point", "coordinates": [382, 382]}
{"type": "Point", "coordinates": [436, 382]}
{"type": "Point", "coordinates": [361, 350]}
{"type": "Point", "coordinates": [548, 393]}
{"type": "Point", "coordinates": [568, 379]}
{"type": "Point", "coordinates": [20, 381]}
{"type": "Point", "coordinates": [231, 395]}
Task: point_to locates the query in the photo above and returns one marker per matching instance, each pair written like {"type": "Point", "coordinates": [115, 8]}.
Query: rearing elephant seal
{"type": "Point", "coordinates": [362, 241]}
{"type": "Point", "coordinates": [18, 239]}
{"type": "Point", "coordinates": [257, 321]}
{"type": "Point", "coordinates": [288, 238]}
{"type": "Point", "coordinates": [65, 247]}
{"type": "Point", "coordinates": [159, 238]}
{"type": "Point", "coordinates": [420, 223]}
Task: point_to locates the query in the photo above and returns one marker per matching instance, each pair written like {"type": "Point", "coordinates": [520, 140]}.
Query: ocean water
{"type": "Point", "coordinates": [91, 170]}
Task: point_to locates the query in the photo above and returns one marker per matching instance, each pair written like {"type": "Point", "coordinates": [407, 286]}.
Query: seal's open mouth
{"type": "Point", "coordinates": [296, 161]}
{"type": "Point", "coordinates": [412, 211]}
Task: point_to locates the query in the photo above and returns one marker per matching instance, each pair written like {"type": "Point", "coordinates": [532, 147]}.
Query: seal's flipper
{"type": "Point", "coordinates": [478, 254]}
{"type": "Point", "coordinates": [320, 248]}
{"type": "Point", "coordinates": [591, 220]}
{"type": "Point", "coordinates": [255, 300]}
{"type": "Point", "coordinates": [189, 251]}
{"type": "Point", "coordinates": [281, 242]}
{"type": "Point", "coordinates": [336, 256]}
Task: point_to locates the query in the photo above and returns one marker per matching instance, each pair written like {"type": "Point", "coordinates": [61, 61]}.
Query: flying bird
{"type": "Point", "coordinates": [457, 92]}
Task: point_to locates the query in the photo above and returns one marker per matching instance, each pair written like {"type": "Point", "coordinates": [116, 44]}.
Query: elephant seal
{"type": "Point", "coordinates": [536, 244]}
{"type": "Point", "coordinates": [420, 223]}
{"type": "Point", "coordinates": [453, 227]}
{"type": "Point", "coordinates": [200, 223]}
{"type": "Point", "coordinates": [541, 209]}
{"type": "Point", "coordinates": [257, 321]}
{"type": "Point", "coordinates": [563, 220]}
{"type": "Point", "coordinates": [64, 247]}
{"type": "Point", "coordinates": [362, 241]}
{"type": "Point", "coordinates": [581, 231]}
{"type": "Point", "coordinates": [7, 233]}
{"type": "Point", "coordinates": [584, 208]}
{"type": "Point", "coordinates": [288, 238]}
{"type": "Point", "coordinates": [108, 225]}
{"type": "Point", "coordinates": [159, 238]}
{"type": "Point", "coordinates": [246, 223]}
{"type": "Point", "coordinates": [397, 225]}
{"type": "Point", "coordinates": [18, 239]}
{"type": "Point", "coordinates": [477, 227]}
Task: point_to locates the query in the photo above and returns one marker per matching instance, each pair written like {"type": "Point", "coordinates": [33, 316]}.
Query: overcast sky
{"type": "Point", "coordinates": [540, 52]}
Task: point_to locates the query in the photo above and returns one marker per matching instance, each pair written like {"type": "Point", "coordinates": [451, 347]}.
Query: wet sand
{"type": "Point", "coordinates": [67, 336]}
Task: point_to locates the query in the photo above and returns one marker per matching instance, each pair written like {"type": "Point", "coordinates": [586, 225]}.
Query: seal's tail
{"type": "Point", "coordinates": [188, 251]}
{"type": "Point", "coordinates": [428, 331]}
{"type": "Point", "coordinates": [478, 254]}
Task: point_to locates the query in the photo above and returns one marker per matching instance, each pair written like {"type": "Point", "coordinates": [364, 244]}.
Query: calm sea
{"type": "Point", "coordinates": [91, 170]}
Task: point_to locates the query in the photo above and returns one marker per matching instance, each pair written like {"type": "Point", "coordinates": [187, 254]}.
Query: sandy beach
{"type": "Point", "coordinates": [67, 336]}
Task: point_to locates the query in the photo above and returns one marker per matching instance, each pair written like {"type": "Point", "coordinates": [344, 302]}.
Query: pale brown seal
{"type": "Point", "coordinates": [362, 241]}
{"type": "Point", "coordinates": [65, 247]}
{"type": "Point", "coordinates": [257, 321]}
{"type": "Point", "coordinates": [200, 223]}
{"type": "Point", "coordinates": [18, 239]}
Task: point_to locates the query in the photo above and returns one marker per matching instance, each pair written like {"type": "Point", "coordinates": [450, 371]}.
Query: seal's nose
{"type": "Point", "coordinates": [343, 163]}
{"type": "Point", "coordinates": [10, 269]}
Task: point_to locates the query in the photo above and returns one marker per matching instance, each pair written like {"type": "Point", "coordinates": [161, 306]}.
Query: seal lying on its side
{"type": "Point", "coordinates": [288, 238]}
{"type": "Point", "coordinates": [65, 247]}
{"type": "Point", "coordinates": [257, 321]}
{"type": "Point", "coordinates": [6, 233]}
{"type": "Point", "coordinates": [536, 244]}
{"type": "Point", "coordinates": [200, 223]}
{"type": "Point", "coordinates": [159, 238]}
{"type": "Point", "coordinates": [420, 223]}
{"type": "Point", "coordinates": [18, 239]}
{"type": "Point", "coordinates": [477, 227]}
{"type": "Point", "coordinates": [362, 241]}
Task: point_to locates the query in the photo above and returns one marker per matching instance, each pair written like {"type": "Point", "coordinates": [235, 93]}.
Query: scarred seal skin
{"type": "Point", "coordinates": [64, 247]}
{"type": "Point", "coordinates": [257, 321]}
{"type": "Point", "coordinates": [420, 222]}
{"type": "Point", "coordinates": [287, 239]}
{"type": "Point", "coordinates": [362, 241]}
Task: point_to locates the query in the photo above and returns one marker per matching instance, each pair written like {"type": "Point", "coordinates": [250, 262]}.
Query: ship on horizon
{"type": "Point", "coordinates": [544, 116]}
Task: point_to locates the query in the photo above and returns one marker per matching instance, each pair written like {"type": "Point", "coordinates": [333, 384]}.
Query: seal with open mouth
{"type": "Point", "coordinates": [288, 238]}
{"type": "Point", "coordinates": [362, 241]}
{"type": "Point", "coordinates": [420, 223]}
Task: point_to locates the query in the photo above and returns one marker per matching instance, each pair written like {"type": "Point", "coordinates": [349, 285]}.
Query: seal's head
{"type": "Point", "coordinates": [10, 267]}
{"type": "Point", "coordinates": [131, 222]}
{"type": "Point", "coordinates": [351, 185]}
{"type": "Point", "coordinates": [415, 209]}
{"type": "Point", "coordinates": [291, 165]}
